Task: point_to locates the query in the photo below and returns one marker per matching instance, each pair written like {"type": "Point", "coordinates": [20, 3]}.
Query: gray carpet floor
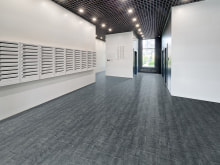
{"type": "Point", "coordinates": [115, 121]}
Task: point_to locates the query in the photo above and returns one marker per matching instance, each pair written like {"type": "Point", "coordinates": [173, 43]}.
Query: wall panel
{"type": "Point", "coordinates": [41, 22]}
{"type": "Point", "coordinates": [195, 51]}
{"type": "Point", "coordinates": [101, 55]}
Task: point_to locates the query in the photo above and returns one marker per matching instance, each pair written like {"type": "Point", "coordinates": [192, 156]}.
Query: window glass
{"type": "Point", "coordinates": [148, 56]}
{"type": "Point", "coordinates": [149, 44]}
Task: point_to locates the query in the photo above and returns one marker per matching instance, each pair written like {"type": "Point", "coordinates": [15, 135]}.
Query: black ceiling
{"type": "Point", "coordinates": [150, 14]}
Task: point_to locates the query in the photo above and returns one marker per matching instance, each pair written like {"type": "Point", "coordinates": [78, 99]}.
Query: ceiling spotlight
{"type": "Point", "coordinates": [101, 38]}
{"type": "Point", "coordinates": [81, 10]}
{"type": "Point", "coordinates": [184, 1]}
{"type": "Point", "coordinates": [139, 29]}
{"type": "Point", "coordinates": [134, 19]}
{"type": "Point", "coordinates": [110, 29]}
{"type": "Point", "coordinates": [137, 25]}
{"type": "Point", "coordinates": [103, 25]}
{"type": "Point", "coordinates": [94, 19]}
{"type": "Point", "coordinates": [141, 33]}
{"type": "Point", "coordinates": [130, 11]}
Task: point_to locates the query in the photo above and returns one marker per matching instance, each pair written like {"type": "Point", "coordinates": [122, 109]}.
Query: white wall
{"type": "Point", "coordinates": [119, 50]}
{"type": "Point", "coordinates": [195, 51]}
{"type": "Point", "coordinates": [17, 98]}
{"type": "Point", "coordinates": [43, 22]}
{"type": "Point", "coordinates": [135, 43]}
{"type": "Point", "coordinates": [100, 55]}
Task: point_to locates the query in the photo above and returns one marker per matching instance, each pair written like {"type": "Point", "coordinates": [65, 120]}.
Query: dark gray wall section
{"type": "Point", "coordinates": [139, 54]}
{"type": "Point", "coordinates": [158, 54]}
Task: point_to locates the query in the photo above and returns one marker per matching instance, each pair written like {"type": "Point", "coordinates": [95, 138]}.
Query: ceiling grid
{"type": "Point", "coordinates": [150, 14]}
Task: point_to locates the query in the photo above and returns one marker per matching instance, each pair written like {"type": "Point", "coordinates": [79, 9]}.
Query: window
{"type": "Point", "coordinates": [148, 56]}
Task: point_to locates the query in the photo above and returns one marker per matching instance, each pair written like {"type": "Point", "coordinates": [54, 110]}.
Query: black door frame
{"type": "Point", "coordinates": [162, 63]}
{"type": "Point", "coordinates": [135, 67]}
{"type": "Point", "coordinates": [165, 65]}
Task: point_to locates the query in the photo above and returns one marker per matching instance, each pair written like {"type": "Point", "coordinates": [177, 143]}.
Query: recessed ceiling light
{"type": "Point", "coordinates": [185, 1]}
{"type": "Point", "coordinates": [110, 29]}
{"type": "Point", "coordinates": [137, 25]}
{"type": "Point", "coordinates": [130, 11]}
{"type": "Point", "coordinates": [81, 10]}
{"type": "Point", "coordinates": [139, 29]}
{"type": "Point", "coordinates": [134, 19]}
{"type": "Point", "coordinates": [100, 37]}
{"type": "Point", "coordinates": [94, 19]}
{"type": "Point", "coordinates": [103, 25]}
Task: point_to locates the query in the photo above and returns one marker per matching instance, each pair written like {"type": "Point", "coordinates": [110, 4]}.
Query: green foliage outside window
{"type": "Point", "coordinates": [148, 57]}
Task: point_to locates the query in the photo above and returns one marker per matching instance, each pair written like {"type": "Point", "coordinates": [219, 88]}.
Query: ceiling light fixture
{"type": "Point", "coordinates": [185, 1]}
{"type": "Point", "coordinates": [139, 29]}
{"type": "Point", "coordinates": [110, 29]}
{"type": "Point", "coordinates": [103, 25]}
{"type": "Point", "coordinates": [101, 38]}
{"type": "Point", "coordinates": [130, 11]}
{"type": "Point", "coordinates": [94, 19]}
{"type": "Point", "coordinates": [134, 19]}
{"type": "Point", "coordinates": [81, 10]}
{"type": "Point", "coordinates": [137, 25]}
